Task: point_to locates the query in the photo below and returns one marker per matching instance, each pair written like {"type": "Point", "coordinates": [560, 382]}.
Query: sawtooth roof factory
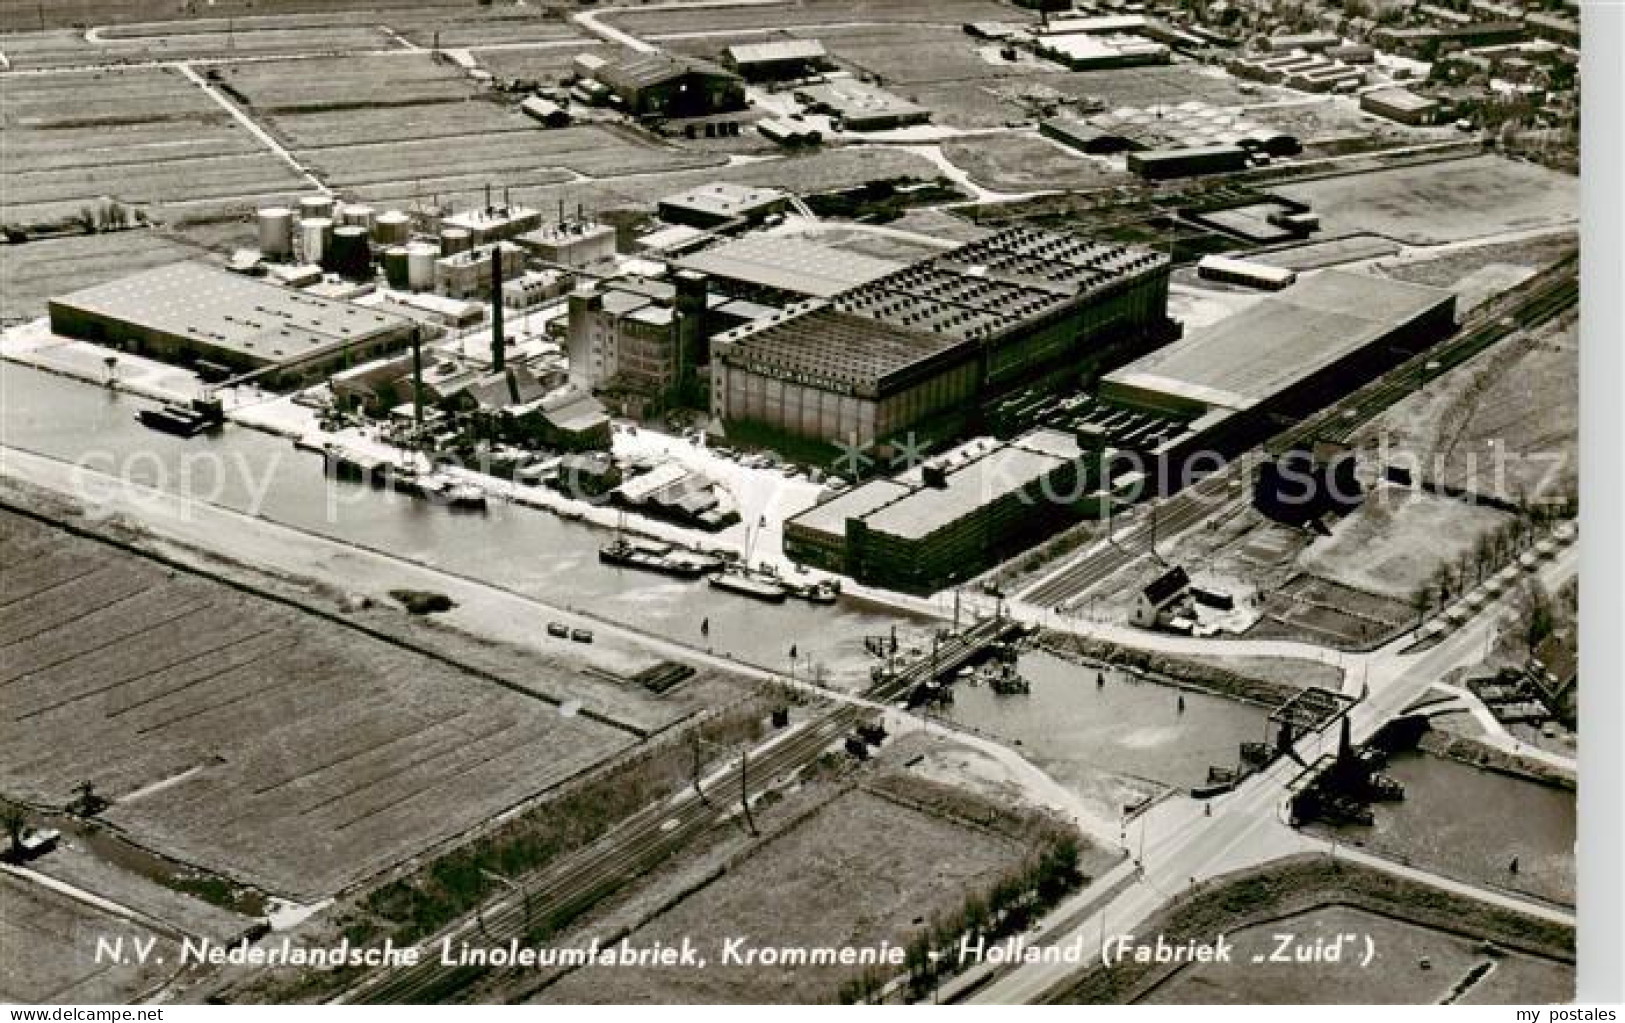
{"type": "Point", "coordinates": [921, 347]}
{"type": "Point", "coordinates": [195, 314]}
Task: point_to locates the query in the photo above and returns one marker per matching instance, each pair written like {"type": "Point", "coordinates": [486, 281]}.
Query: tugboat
{"type": "Point", "coordinates": [826, 591]}
{"type": "Point", "coordinates": [200, 415]}
{"type": "Point", "coordinates": [445, 490]}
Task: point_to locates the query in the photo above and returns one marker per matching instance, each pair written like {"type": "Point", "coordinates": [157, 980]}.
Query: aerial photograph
{"type": "Point", "coordinates": [723, 502]}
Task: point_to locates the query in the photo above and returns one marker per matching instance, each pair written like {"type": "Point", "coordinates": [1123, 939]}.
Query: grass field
{"type": "Point", "coordinates": [50, 940]}
{"type": "Point", "coordinates": [1021, 163]}
{"type": "Point", "coordinates": [141, 136]}
{"type": "Point", "coordinates": [352, 83]}
{"type": "Point", "coordinates": [952, 13]}
{"type": "Point", "coordinates": [292, 753]}
{"type": "Point", "coordinates": [859, 870]}
{"type": "Point", "coordinates": [32, 273]}
{"type": "Point", "coordinates": [1397, 540]}
{"type": "Point", "coordinates": [1445, 201]}
{"type": "Point", "coordinates": [1398, 948]}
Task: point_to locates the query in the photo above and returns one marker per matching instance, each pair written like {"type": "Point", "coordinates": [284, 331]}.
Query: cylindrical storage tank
{"type": "Point", "coordinates": [316, 235]}
{"type": "Point", "coordinates": [356, 215]}
{"type": "Point", "coordinates": [312, 207]}
{"type": "Point", "coordinates": [454, 240]}
{"type": "Point", "coordinates": [397, 269]}
{"type": "Point", "coordinates": [351, 257]}
{"type": "Point", "coordinates": [420, 257]}
{"type": "Point", "coordinates": [392, 228]}
{"type": "Point", "coordinates": [276, 232]}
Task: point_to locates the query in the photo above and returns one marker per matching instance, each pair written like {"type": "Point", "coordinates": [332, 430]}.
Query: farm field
{"type": "Point", "coordinates": [147, 30]}
{"type": "Point", "coordinates": [1022, 163]}
{"type": "Point", "coordinates": [1399, 947]}
{"type": "Point", "coordinates": [1441, 202]}
{"type": "Point", "coordinates": [953, 13]}
{"type": "Point", "coordinates": [539, 64]}
{"type": "Point", "coordinates": [147, 137]}
{"type": "Point", "coordinates": [282, 750]}
{"type": "Point", "coordinates": [861, 869]}
{"type": "Point", "coordinates": [32, 273]}
{"type": "Point", "coordinates": [353, 83]}
{"type": "Point", "coordinates": [47, 957]}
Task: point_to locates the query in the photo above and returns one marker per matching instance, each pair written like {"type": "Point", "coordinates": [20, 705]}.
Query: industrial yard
{"type": "Point", "coordinates": [834, 473]}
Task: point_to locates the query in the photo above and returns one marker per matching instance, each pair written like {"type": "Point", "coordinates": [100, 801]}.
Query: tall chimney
{"type": "Point", "coordinates": [487, 197]}
{"type": "Point", "coordinates": [496, 308]}
{"type": "Point", "coordinates": [417, 380]}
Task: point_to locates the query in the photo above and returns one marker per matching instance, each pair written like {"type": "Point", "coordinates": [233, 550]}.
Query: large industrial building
{"type": "Point", "coordinates": [196, 314]}
{"type": "Point", "coordinates": [951, 518]}
{"type": "Point", "coordinates": [859, 106]}
{"type": "Point", "coordinates": [670, 85]}
{"type": "Point", "coordinates": [941, 335]}
{"type": "Point", "coordinates": [779, 59]}
{"type": "Point", "coordinates": [829, 375]}
{"type": "Point", "coordinates": [720, 204]}
{"type": "Point", "coordinates": [1232, 384]}
{"type": "Point", "coordinates": [638, 340]}
{"type": "Point", "coordinates": [776, 269]}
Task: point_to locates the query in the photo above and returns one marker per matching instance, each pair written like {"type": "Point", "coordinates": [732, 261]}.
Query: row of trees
{"type": "Point", "coordinates": [1013, 903]}
{"type": "Point", "coordinates": [1494, 550]}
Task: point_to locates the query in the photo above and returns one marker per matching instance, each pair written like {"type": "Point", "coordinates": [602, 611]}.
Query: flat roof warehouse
{"type": "Point", "coordinates": [1254, 355]}
{"type": "Point", "coordinates": [210, 311]}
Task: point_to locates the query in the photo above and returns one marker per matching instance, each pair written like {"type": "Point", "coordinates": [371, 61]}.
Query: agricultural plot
{"type": "Point", "coordinates": [512, 158]}
{"type": "Point", "coordinates": [802, 13]}
{"type": "Point", "coordinates": [32, 273]}
{"type": "Point", "coordinates": [49, 941]}
{"type": "Point", "coordinates": [140, 136]}
{"type": "Point", "coordinates": [542, 64]}
{"type": "Point", "coordinates": [1442, 202]}
{"type": "Point", "coordinates": [907, 55]}
{"type": "Point", "coordinates": [282, 750]}
{"type": "Point", "coordinates": [860, 870]}
{"type": "Point", "coordinates": [1399, 947]}
{"type": "Point", "coordinates": [348, 83]}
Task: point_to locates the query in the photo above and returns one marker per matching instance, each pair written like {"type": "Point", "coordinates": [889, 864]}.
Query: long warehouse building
{"type": "Point", "coordinates": [198, 315]}
{"type": "Point", "coordinates": [1283, 357]}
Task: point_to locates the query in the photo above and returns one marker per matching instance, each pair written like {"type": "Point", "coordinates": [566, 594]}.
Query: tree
{"type": "Point", "coordinates": [1422, 601]}
{"type": "Point", "coordinates": [16, 825]}
{"type": "Point", "coordinates": [1539, 620]}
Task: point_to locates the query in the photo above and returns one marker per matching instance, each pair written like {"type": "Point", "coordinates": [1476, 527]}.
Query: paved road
{"type": "Point", "coordinates": [1181, 845]}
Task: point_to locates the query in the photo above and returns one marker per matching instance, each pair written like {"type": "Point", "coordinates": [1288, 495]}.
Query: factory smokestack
{"type": "Point", "coordinates": [497, 364]}
{"type": "Point", "coordinates": [417, 381]}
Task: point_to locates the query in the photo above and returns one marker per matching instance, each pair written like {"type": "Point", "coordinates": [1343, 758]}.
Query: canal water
{"type": "Point", "coordinates": [1469, 823]}
{"type": "Point", "coordinates": [1073, 726]}
{"type": "Point", "coordinates": [1066, 724]}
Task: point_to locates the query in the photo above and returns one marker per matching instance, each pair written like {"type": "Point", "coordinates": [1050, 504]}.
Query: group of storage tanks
{"type": "Point", "coordinates": [342, 238]}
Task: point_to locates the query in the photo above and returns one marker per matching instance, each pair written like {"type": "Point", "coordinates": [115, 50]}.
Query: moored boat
{"type": "Point", "coordinates": [751, 582]}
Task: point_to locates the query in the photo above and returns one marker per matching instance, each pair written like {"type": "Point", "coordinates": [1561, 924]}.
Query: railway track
{"type": "Point", "coordinates": [562, 892]}
{"type": "Point", "coordinates": [1537, 300]}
